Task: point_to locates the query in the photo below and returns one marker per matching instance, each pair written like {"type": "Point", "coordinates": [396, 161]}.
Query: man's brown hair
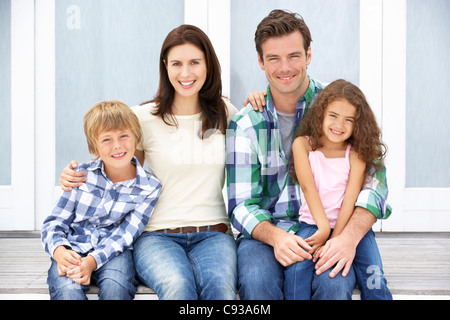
{"type": "Point", "coordinates": [280, 23]}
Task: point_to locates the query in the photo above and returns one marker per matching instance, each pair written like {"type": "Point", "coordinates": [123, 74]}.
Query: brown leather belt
{"type": "Point", "coordinates": [221, 227]}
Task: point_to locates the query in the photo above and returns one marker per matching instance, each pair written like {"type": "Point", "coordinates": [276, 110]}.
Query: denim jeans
{"type": "Point", "coordinates": [369, 270]}
{"type": "Point", "coordinates": [116, 281]}
{"type": "Point", "coordinates": [367, 266]}
{"type": "Point", "coordinates": [261, 277]}
{"type": "Point", "coordinates": [304, 284]}
{"type": "Point", "coordinates": [187, 266]}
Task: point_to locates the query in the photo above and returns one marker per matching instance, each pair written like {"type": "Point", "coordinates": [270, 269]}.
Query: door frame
{"type": "Point", "coordinates": [32, 193]}
{"type": "Point", "coordinates": [17, 211]}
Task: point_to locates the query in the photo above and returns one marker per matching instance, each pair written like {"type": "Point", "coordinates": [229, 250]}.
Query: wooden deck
{"type": "Point", "coordinates": [416, 265]}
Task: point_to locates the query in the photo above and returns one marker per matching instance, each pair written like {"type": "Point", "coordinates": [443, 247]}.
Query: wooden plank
{"type": "Point", "coordinates": [414, 264]}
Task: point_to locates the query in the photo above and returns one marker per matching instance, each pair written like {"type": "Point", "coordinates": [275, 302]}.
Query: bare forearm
{"type": "Point", "coordinates": [266, 232]}
{"type": "Point", "coordinates": [359, 224]}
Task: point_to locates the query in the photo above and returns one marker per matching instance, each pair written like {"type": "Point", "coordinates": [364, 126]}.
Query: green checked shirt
{"type": "Point", "coordinates": [258, 181]}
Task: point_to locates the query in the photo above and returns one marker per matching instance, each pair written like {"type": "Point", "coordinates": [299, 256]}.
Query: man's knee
{"type": "Point", "coordinates": [260, 276]}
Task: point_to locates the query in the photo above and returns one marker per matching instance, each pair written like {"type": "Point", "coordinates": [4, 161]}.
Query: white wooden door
{"type": "Point", "coordinates": [88, 51]}
{"type": "Point", "coordinates": [17, 182]}
{"type": "Point", "coordinates": [416, 79]}
{"type": "Point", "coordinates": [43, 127]}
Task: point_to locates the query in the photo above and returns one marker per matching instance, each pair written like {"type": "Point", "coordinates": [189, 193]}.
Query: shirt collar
{"type": "Point", "coordinates": [141, 180]}
{"type": "Point", "coordinates": [307, 97]}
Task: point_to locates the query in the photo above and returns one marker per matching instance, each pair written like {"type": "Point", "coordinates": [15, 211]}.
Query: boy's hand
{"type": "Point", "coordinates": [66, 259]}
{"type": "Point", "coordinates": [82, 274]}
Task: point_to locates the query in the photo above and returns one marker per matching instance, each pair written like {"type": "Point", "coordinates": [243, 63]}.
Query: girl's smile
{"type": "Point", "coordinates": [338, 121]}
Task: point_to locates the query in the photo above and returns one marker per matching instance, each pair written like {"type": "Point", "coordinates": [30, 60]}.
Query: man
{"type": "Point", "coordinates": [263, 201]}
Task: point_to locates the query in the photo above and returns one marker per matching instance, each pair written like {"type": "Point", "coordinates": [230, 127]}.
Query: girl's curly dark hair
{"type": "Point", "coordinates": [366, 136]}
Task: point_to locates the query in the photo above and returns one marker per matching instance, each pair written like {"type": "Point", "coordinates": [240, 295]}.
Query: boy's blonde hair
{"type": "Point", "coordinates": [109, 115]}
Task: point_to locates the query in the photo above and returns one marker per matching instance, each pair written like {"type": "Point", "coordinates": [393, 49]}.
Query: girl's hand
{"type": "Point", "coordinates": [257, 100]}
{"type": "Point", "coordinates": [318, 239]}
{"type": "Point", "coordinates": [70, 178]}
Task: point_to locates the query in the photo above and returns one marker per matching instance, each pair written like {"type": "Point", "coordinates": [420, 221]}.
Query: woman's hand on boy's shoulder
{"type": "Point", "coordinates": [70, 178]}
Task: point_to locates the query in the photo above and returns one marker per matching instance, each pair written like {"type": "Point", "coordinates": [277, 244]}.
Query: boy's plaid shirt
{"type": "Point", "coordinates": [101, 218]}
{"type": "Point", "coordinates": [258, 181]}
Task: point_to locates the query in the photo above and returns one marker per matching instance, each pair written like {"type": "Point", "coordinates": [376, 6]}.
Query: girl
{"type": "Point", "coordinates": [336, 149]}
{"type": "Point", "coordinates": [187, 250]}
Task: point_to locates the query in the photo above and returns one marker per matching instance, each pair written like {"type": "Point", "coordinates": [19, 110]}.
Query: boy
{"type": "Point", "coordinates": [91, 230]}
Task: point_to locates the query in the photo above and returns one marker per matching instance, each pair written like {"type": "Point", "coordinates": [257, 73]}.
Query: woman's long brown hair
{"type": "Point", "coordinates": [214, 111]}
{"type": "Point", "coordinates": [366, 136]}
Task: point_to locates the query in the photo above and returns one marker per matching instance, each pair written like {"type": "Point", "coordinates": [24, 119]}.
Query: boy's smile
{"type": "Point", "coordinates": [116, 148]}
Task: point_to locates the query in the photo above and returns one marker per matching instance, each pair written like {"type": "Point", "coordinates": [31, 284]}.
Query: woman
{"type": "Point", "coordinates": [187, 250]}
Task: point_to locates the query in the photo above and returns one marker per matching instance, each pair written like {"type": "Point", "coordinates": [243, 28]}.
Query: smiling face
{"type": "Point", "coordinates": [186, 68]}
{"type": "Point", "coordinates": [338, 121]}
{"type": "Point", "coordinates": [116, 149]}
{"type": "Point", "coordinates": [284, 62]}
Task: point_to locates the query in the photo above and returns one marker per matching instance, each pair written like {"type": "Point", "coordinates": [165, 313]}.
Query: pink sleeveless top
{"type": "Point", "coordinates": [331, 178]}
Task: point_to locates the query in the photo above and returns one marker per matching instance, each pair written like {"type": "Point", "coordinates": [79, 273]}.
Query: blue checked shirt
{"type": "Point", "coordinates": [258, 181]}
{"type": "Point", "coordinates": [101, 218]}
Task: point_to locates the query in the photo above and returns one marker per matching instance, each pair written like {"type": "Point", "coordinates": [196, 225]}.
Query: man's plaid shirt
{"type": "Point", "coordinates": [258, 181]}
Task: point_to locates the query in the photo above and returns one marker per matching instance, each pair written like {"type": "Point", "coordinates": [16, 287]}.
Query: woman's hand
{"type": "Point", "coordinates": [70, 178]}
{"type": "Point", "coordinates": [257, 100]}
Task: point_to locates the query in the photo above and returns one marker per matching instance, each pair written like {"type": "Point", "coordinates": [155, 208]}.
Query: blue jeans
{"type": "Point", "coordinates": [367, 266]}
{"type": "Point", "coordinates": [262, 277]}
{"type": "Point", "coordinates": [369, 270]}
{"type": "Point", "coordinates": [304, 282]}
{"type": "Point", "coordinates": [187, 266]}
{"type": "Point", "coordinates": [116, 281]}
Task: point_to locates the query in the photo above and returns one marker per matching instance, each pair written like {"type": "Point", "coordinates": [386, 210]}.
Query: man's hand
{"type": "Point", "coordinates": [288, 248]}
{"type": "Point", "coordinates": [341, 250]}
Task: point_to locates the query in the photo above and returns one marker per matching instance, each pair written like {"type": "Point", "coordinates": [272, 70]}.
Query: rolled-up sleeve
{"type": "Point", "coordinates": [373, 196]}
